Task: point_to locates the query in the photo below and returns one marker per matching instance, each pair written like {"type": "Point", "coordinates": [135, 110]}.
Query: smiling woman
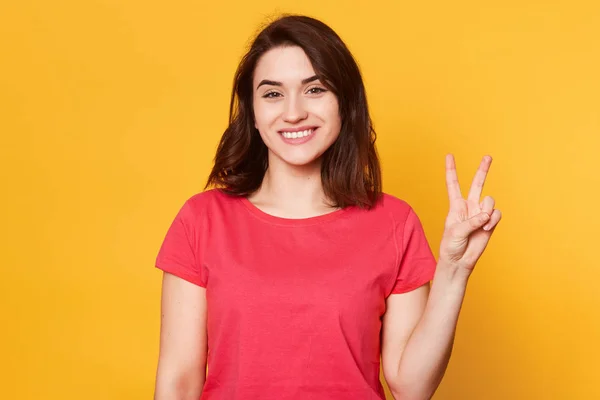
{"type": "Point", "coordinates": [281, 106]}
{"type": "Point", "coordinates": [296, 133]}
{"type": "Point", "coordinates": [296, 275]}
{"type": "Point", "coordinates": [299, 76]}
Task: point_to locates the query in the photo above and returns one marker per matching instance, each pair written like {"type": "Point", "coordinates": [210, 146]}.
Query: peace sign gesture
{"type": "Point", "coordinates": [470, 223]}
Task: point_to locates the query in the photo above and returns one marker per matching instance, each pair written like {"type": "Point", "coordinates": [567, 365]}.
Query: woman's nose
{"type": "Point", "coordinates": [294, 110]}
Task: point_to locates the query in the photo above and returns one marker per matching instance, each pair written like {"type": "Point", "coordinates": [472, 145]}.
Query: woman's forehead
{"type": "Point", "coordinates": [288, 65]}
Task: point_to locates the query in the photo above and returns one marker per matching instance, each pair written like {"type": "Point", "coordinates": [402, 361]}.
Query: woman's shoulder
{"type": "Point", "coordinates": [201, 202]}
{"type": "Point", "coordinates": [388, 209]}
{"type": "Point", "coordinates": [207, 196]}
{"type": "Point", "coordinates": [395, 208]}
{"type": "Point", "coordinates": [390, 203]}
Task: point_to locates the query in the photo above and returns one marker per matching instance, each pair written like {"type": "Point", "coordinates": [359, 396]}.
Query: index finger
{"type": "Point", "coordinates": [479, 180]}
{"type": "Point", "coordinates": [452, 180]}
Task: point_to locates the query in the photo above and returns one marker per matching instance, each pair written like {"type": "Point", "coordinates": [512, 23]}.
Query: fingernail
{"type": "Point", "coordinates": [486, 228]}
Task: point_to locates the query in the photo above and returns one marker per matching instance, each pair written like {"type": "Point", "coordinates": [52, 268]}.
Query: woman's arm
{"type": "Point", "coordinates": [415, 363]}
{"type": "Point", "coordinates": [424, 353]}
{"type": "Point", "coordinates": [182, 359]}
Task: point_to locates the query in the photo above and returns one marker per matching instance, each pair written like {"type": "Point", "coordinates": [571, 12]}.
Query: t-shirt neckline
{"type": "Point", "coordinates": [275, 220]}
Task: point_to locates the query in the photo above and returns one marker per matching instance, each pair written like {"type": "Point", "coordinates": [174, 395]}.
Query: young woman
{"type": "Point", "coordinates": [295, 275]}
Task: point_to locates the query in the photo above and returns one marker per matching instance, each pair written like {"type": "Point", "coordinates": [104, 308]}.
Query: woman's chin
{"type": "Point", "coordinates": [303, 163]}
{"type": "Point", "coordinates": [300, 161]}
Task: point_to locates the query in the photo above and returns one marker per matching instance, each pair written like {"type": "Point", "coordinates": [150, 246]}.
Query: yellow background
{"type": "Point", "coordinates": [111, 112]}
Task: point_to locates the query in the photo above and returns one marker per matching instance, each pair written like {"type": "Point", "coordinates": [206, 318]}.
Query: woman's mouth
{"type": "Point", "coordinates": [298, 137]}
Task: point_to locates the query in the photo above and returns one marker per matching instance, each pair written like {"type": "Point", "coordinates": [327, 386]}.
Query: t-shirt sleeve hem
{"type": "Point", "coordinates": [196, 280]}
{"type": "Point", "coordinates": [406, 289]}
{"type": "Point", "coordinates": [418, 283]}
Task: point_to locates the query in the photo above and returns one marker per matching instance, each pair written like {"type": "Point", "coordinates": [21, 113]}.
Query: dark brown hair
{"type": "Point", "coordinates": [350, 172]}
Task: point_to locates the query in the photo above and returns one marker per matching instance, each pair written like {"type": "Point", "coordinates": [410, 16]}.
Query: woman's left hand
{"type": "Point", "coordinates": [470, 223]}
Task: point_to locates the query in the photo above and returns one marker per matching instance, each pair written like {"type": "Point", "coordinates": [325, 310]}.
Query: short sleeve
{"type": "Point", "coordinates": [417, 263]}
{"type": "Point", "coordinates": [179, 252]}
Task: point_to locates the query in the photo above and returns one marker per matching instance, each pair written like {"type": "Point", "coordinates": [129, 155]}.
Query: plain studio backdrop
{"type": "Point", "coordinates": [111, 112]}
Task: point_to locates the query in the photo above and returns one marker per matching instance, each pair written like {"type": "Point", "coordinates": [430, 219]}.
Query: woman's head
{"type": "Point", "coordinates": [295, 114]}
{"type": "Point", "coordinates": [298, 75]}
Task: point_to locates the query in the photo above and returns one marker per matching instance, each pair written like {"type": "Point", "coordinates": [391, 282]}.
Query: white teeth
{"type": "Point", "coordinates": [294, 135]}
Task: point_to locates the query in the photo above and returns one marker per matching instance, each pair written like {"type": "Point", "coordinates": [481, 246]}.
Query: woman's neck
{"type": "Point", "coordinates": [292, 191]}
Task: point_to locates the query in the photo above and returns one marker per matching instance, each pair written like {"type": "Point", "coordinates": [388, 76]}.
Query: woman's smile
{"type": "Point", "coordinates": [297, 136]}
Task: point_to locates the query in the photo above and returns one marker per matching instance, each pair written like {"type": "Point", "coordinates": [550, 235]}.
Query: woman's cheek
{"type": "Point", "coordinates": [266, 113]}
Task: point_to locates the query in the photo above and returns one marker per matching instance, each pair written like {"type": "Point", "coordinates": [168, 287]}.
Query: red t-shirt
{"type": "Point", "coordinates": [295, 305]}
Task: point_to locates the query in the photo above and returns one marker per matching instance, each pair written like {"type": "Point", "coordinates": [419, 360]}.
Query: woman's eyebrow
{"type": "Point", "coordinates": [275, 83]}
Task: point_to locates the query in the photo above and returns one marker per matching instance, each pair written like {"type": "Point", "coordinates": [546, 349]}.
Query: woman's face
{"type": "Point", "coordinates": [297, 117]}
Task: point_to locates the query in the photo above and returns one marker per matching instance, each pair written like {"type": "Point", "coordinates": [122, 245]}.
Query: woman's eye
{"type": "Point", "coordinates": [316, 90]}
{"type": "Point", "coordinates": [271, 95]}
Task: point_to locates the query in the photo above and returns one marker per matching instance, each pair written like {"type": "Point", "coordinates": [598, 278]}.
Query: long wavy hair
{"type": "Point", "coordinates": [350, 169]}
